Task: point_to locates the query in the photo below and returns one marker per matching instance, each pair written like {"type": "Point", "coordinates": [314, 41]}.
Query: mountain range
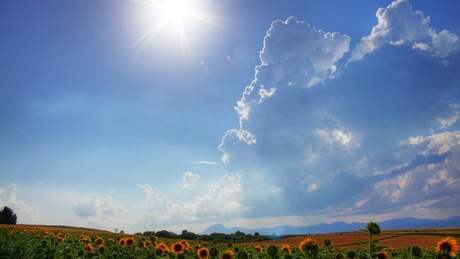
{"type": "Point", "coordinates": [393, 224]}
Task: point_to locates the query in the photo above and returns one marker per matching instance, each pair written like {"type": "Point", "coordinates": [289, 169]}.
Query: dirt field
{"type": "Point", "coordinates": [425, 238]}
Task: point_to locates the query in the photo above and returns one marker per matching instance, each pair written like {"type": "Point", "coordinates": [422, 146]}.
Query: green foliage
{"type": "Point", "coordinates": [21, 242]}
{"type": "Point", "coordinates": [166, 234]}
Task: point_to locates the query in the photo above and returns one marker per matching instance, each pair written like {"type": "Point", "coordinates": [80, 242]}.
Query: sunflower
{"type": "Point", "coordinates": [416, 251]}
{"type": "Point", "coordinates": [286, 248]}
{"type": "Point", "coordinates": [213, 252]}
{"type": "Point", "coordinates": [259, 248]}
{"type": "Point", "coordinates": [327, 242]}
{"type": "Point", "coordinates": [382, 255]}
{"type": "Point", "coordinates": [186, 244]}
{"type": "Point", "coordinates": [308, 244]}
{"type": "Point", "coordinates": [89, 247]}
{"type": "Point", "coordinates": [373, 228]}
{"type": "Point", "coordinates": [122, 242]}
{"type": "Point", "coordinates": [101, 249]}
{"type": "Point", "coordinates": [351, 254]}
{"type": "Point", "coordinates": [161, 249]}
{"type": "Point", "coordinates": [178, 248]}
{"type": "Point", "coordinates": [130, 241]}
{"type": "Point", "coordinates": [228, 254]}
{"type": "Point", "coordinates": [339, 256]}
{"type": "Point", "coordinates": [162, 246]}
{"type": "Point", "coordinates": [242, 255]}
{"type": "Point", "coordinates": [272, 250]}
{"type": "Point", "coordinates": [99, 241]}
{"type": "Point", "coordinates": [447, 245]}
{"type": "Point", "coordinates": [203, 253]}
{"type": "Point", "coordinates": [142, 244]}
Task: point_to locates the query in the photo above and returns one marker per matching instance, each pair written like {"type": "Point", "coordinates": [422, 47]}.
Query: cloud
{"type": "Point", "coordinates": [206, 162]}
{"type": "Point", "coordinates": [311, 58]}
{"type": "Point", "coordinates": [94, 206]}
{"type": "Point", "coordinates": [220, 201]}
{"type": "Point", "coordinates": [25, 213]}
{"type": "Point", "coordinates": [399, 24]}
{"type": "Point", "coordinates": [315, 137]}
{"type": "Point", "coordinates": [223, 199]}
{"type": "Point", "coordinates": [431, 178]}
{"type": "Point", "coordinates": [188, 180]}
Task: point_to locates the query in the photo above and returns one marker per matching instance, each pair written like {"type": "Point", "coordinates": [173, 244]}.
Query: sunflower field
{"type": "Point", "coordinates": [16, 242]}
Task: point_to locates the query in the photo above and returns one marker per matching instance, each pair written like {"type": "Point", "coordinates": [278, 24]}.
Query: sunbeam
{"type": "Point", "coordinates": [176, 20]}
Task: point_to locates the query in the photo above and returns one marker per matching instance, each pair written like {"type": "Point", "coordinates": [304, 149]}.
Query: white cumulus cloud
{"type": "Point", "coordinates": [94, 206]}
{"type": "Point", "coordinates": [317, 137]}
{"type": "Point", "coordinates": [189, 179]}
{"type": "Point", "coordinates": [24, 212]}
{"type": "Point", "coordinates": [398, 23]}
{"type": "Point", "coordinates": [221, 201]}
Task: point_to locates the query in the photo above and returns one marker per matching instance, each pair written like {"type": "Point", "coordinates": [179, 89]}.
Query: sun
{"type": "Point", "coordinates": [176, 11]}
{"type": "Point", "coordinates": [174, 22]}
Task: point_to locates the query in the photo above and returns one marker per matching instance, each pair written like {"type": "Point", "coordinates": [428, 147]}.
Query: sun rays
{"type": "Point", "coordinates": [177, 22]}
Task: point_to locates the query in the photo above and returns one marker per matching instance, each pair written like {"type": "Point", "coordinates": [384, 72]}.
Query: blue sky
{"type": "Point", "coordinates": [137, 115]}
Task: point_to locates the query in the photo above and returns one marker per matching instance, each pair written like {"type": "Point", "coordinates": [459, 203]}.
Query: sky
{"type": "Point", "coordinates": [148, 115]}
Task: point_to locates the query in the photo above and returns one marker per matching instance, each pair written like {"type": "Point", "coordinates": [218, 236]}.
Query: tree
{"type": "Point", "coordinates": [7, 216]}
{"type": "Point", "coordinates": [149, 233]}
{"type": "Point", "coordinates": [166, 234]}
{"type": "Point", "coordinates": [238, 235]}
{"type": "Point", "coordinates": [188, 235]}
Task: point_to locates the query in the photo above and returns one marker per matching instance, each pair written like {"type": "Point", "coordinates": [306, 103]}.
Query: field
{"type": "Point", "coordinates": [397, 239]}
{"type": "Point", "coordinates": [28, 241]}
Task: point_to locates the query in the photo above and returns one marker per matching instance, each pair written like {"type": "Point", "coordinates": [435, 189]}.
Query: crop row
{"type": "Point", "coordinates": [36, 243]}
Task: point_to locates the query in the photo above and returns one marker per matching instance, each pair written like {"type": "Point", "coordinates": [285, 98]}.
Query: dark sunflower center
{"type": "Point", "coordinates": [445, 247]}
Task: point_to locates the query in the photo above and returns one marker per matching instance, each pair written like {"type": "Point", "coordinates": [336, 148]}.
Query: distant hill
{"type": "Point", "coordinates": [393, 224]}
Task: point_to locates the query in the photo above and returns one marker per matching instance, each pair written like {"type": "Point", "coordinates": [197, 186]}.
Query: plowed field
{"type": "Point", "coordinates": [425, 238]}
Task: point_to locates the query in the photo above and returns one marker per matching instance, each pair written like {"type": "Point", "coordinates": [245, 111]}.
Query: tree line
{"type": "Point", "coordinates": [236, 237]}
